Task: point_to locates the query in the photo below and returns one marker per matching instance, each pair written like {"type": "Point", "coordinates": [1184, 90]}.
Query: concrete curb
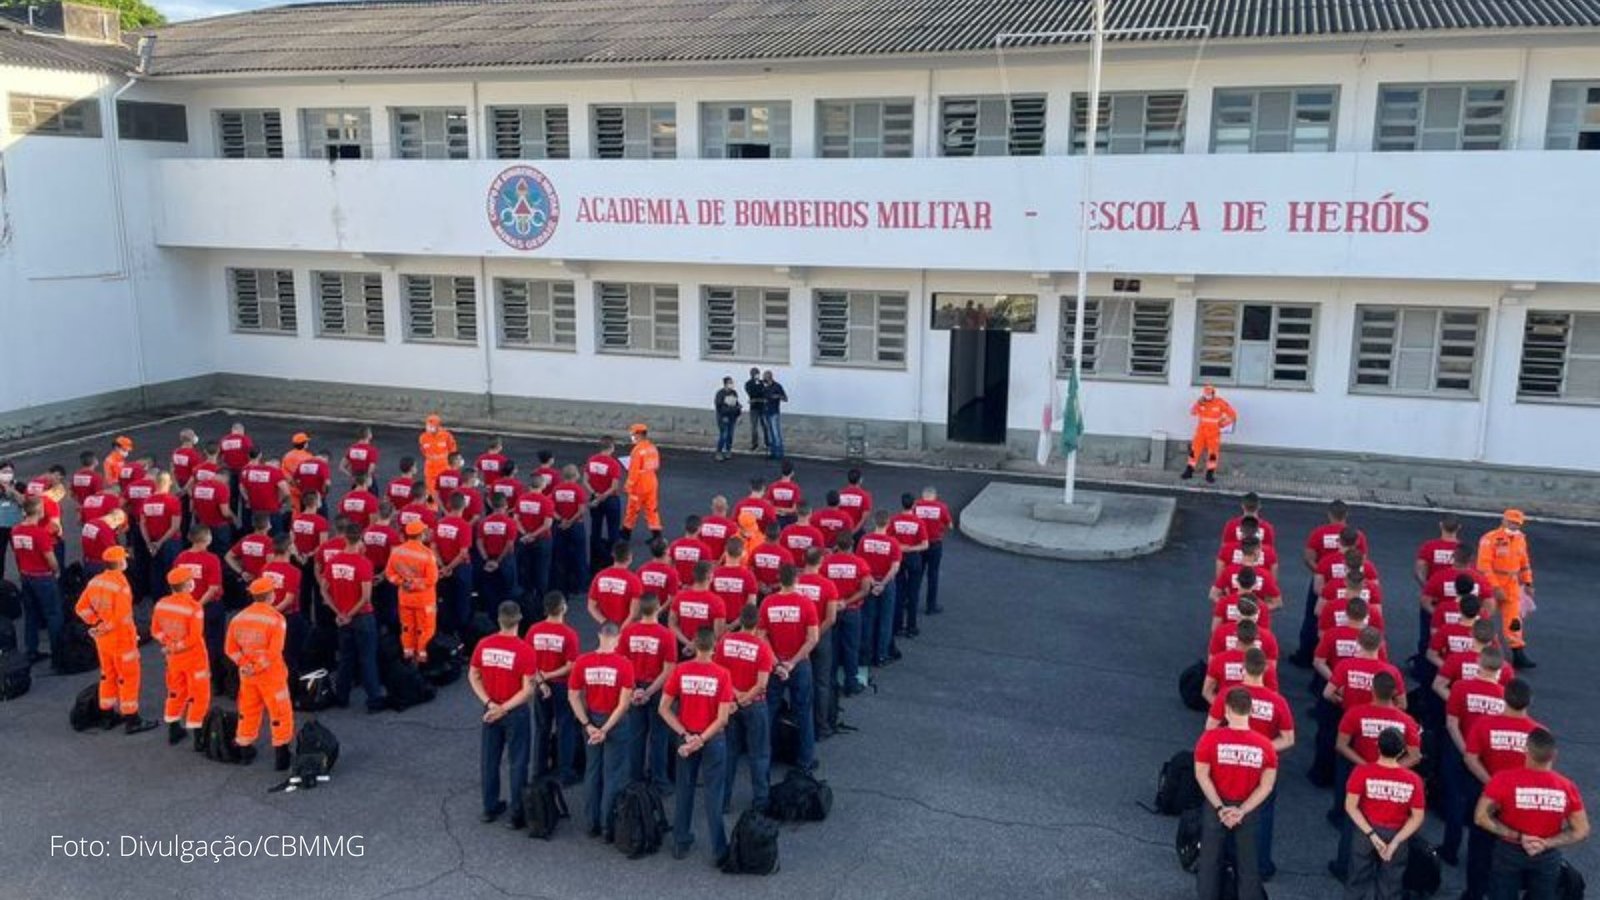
{"type": "Point", "coordinates": [1130, 525]}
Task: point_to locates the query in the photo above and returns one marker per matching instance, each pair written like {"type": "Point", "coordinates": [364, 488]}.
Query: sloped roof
{"type": "Point", "coordinates": [19, 47]}
{"type": "Point", "coordinates": [475, 34]}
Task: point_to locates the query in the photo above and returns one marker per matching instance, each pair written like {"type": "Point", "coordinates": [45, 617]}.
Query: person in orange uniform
{"type": "Point", "coordinates": [644, 491]}
{"type": "Point", "coordinates": [299, 452]}
{"type": "Point", "coordinates": [1214, 415]}
{"type": "Point", "coordinates": [111, 469]}
{"type": "Point", "coordinates": [1503, 559]}
{"type": "Point", "coordinates": [255, 644]}
{"type": "Point", "coordinates": [178, 624]}
{"type": "Point", "coordinates": [106, 606]}
{"type": "Point", "coordinates": [415, 571]}
{"type": "Point", "coordinates": [437, 444]}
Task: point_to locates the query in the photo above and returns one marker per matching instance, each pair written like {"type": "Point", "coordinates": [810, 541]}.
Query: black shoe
{"type": "Point", "coordinates": [247, 755]}
{"type": "Point", "coordinates": [134, 725]}
{"type": "Point", "coordinates": [933, 611]}
{"type": "Point", "coordinates": [1211, 477]}
{"type": "Point", "coordinates": [1334, 816]}
{"type": "Point", "coordinates": [680, 851]}
{"type": "Point", "coordinates": [1320, 777]}
{"type": "Point", "coordinates": [490, 815]}
{"type": "Point", "coordinates": [1300, 659]}
{"type": "Point", "coordinates": [516, 824]}
{"type": "Point", "coordinates": [894, 654]}
{"type": "Point", "coordinates": [1188, 473]}
{"type": "Point", "coordinates": [594, 831]}
{"type": "Point", "coordinates": [37, 656]}
{"type": "Point", "coordinates": [281, 758]}
{"type": "Point", "coordinates": [1335, 871]}
{"type": "Point", "coordinates": [1449, 856]}
{"type": "Point", "coordinates": [721, 862]}
{"type": "Point", "coordinates": [109, 720]}
{"type": "Point", "coordinates": [913, 631]}
{"type": "Point", "coordinates": [655, 534]}
{"type": "Point", "coordinates": [175, 732]}
{"type": "Point", "coordinates": [1519, 658]}
{"type": "Point", "coordinates": [199, 740]}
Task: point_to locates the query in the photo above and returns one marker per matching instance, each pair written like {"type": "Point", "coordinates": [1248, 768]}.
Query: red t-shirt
{"type": "Point", "coordinates": [785, 496]}
{"type": "Point", "coordinates": [819, 589]}
{"type": "Point", "coordinates": [1226, 637]}
{"type": "Point", "coordinates": [659, 578]}
{"type": "Point", "coordinates": [735, 585]}
{"type": "Point", "coordinates": [207, 500]}
{"type": "Point", "coordinates": [252, 551]}
{"type": "Point", "coordinates": [554, 645]}
{"type": "Point", "coordinates": [451, 538]}
{"type": "Point", "coordinates": [684, 553]}
{"type": "Point", "coordinates": [1472, 699]}
{"type": "Point", "coordinates": [184, 460]}
{"type": "Point", "coordinates": [335, 545]}
{"type": "Point", "coordinates": [347, 574]}
{"type": "Point", "coordinates": [615, 590]}
{"type": "Point", "coordinates": [417, 511]}
{"type": "Point", "coordinates": [798, 538]}
{"type": "Point", "coordinates": [313, 475]}
{"type": "Point", "coordinates": [286, 580]}
{"type": "Point", "coordinates": [84, 483]}
{"type": "Point", "coordinates": [1338, 589]}
{"type": "Point", "coordinates": [602, 677]}
{"type": "Point", "coordinates": [503, 661]}
{"type": "Point", "coordinates": [934, 514]}
{"type": "Point", "coordinates": [1532, 802]}
{"type": "Point", "coordinates": [498, 533]}
{"type": "Point", "coordinates": [160, 514]}
{"type": "Point", "coordinates": [1452, 638]}
{"type": "Point", "coordinates": [476, 505]}
{"type": "Point", "coordinates": [1232, 554]}
{"type": "Point", "coordinates": [847, 571]}
{"type": "Point", "coordinates": [308, 531]}
{"type": "Point", "coordinates": [764, 511]}
{"type": "Point", "coordinates": [880, 551]}
{"type": "Point", "coordinates": [1335, 615]}
{"type": "Point", "coordinates": [1324, 539]}
{"type": "Point", "coordinates": [1231, 531]}
{"type": "Point", "coordinates": [745, 655]}
{"type": "Point", "coordinates": [1387, 794]}
{"type": "Point", "coordinates": [446, 485]}
{"type": "Point", "coordinates": [1438, 554]}
{"type": "Point", "coordinates": [601, 472]}
{"type": "Point", "coordinates": [1354, 677]}
{"type": "Point", "coordinates": [399, 490]}
{"type": "Point", "coordinates": [1266, 585]}
{"type": "Point", "coordinates": [95, 506]}
{"type": "Point", "coordinates": [1343, 642]}
{"type": "Point", "coordinates": [832, 522]}
{"type": "Point", "coordinates": [715, 532]}
{"type": "Point", "coordinates": [570, 498]}
{"type": "Point", "coordinates": [767, 560]}
{"type": "Point", "coordinates": [700, 689]}
{"type": "Point", "coordinates": [1239, 759]}
{"type": "Point", "coordinates": [1363, 724]}
{"type": "Point", "coordinates": [1227, 609]}
{"type": "Point", "coordinates": [696, 610]}
{"type": "Point", "coordinates": [1465, 665]}
{"type": "Point", "coordinates": [31, 544]}
{"type": "Point", "coordinates": [135, 492]}
{"type": "Point", "coordinates": [1332, 566]}
{"type": "Point", "coordinates": [856, 503]}
{"type": "Point", "coordinates": [786, 617]}
{"type": "Point", "coordinates": [359, 507]}
{"type": "Point", "coordinates": [362, 458]}
{"type": "Point", "coordinates": [379, 541]}
{"type": "Point", "coordinates": [259, 482]}
{"type": "Point", "coordinates": [551, 475]}
{"type": "Point", "coordinates": [650, 647]}
{"type": "Point", "coordinates": [533, 509]}
{"type": "Point", "coordinates": [1500, 741]}
{"type": "Point", "coordinates": [907, 529]}
{"type": "Point", "coordinates": [1270, 715]}
{"type": "Point", "coordinates": [490, 465]}
{"type": "Point", "coordinates": [1442, 584]}
{"type": "Point", "coordinates": [234, 450]}
{"type": "Point", "coordinates": [97, 537]}
{"type": "Point", "coordinates": [509, 488]}
{"type": "Point", "coordinates": [1227, 669]}
{"type": "Point", "coordinates": [204, 567]}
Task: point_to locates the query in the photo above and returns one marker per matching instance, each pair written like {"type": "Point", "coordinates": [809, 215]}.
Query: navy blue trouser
{"type": "Point", "coordinates": [358, 648]}
{"type": "Point", "coordinates": [508, 733]}
{"type": "Point", "coordinates": [709, 763]}
{"type": "Point", "coordinates": [606, 772]}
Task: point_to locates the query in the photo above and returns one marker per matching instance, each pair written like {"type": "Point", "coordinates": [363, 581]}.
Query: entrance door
{"type": "Point", "coordinates": [980, 382]}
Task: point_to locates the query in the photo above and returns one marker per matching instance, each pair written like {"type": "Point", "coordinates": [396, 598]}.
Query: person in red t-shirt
{"type": "Point", "coordinates": [696, 606]}
{"type": "Point", "coordinates": [86, 482]}
{"type": "Point", "coordinates": [856, 501]}
{"type": "Point", "coordinates": [1226, 635]}
{"type": "Point", "coordinates": [851, 579]}
{"type": "Point", "coordinates": [1357, 744]}
{"type": "Point", "coordinates": [1249, 578]}
{"type": "Point", "coordinates": [548, 470]}
{"type": "Point", "coordinates": [453, 542]}
{"type": "Point", "coordinates": [819, 589]}
{"type": "Point", "coordinates": [1438, 554]}
{"type": "Point", "coordinates": [402, 489]}
{"type": "Point", "coordinates": [265, 487]}
{"type": "Point", "coordinates": [716, 529]}
{"type": "Point", "coordinates": [1226, 669]}
{"type": "Point", "coordinates": [496, 578]}
{"type": "Point", "coordinates": [786, 496]}
{"type": "Point", "coordinates": [688, 550]}
{"type": "Point", "coordinates": [309, 528]}
{"type": "Point", "coordinates": [347, 582]}
{"type": "Point", "coordinates": [756, 501]}
{"type": "Point", "coordinates": [211, 504]}
{"type": "Point", "coordinates": [767, 559]}
{"type": "Point", "coordinates": [1336, 644]}
{"type": "Point", "coordinates": [652, 649]}
{"type": "Point", "coordinates": [288, 578]}
{"type": "Point", "coordinates": [936, 515]}
{"type": "Point", "coordinates": [555, 648]}
{"type": "Point", "coordinates": [1497, 743]}
{"type": "Point", "coordinates": [502, 676]}
{"type": "Point", "coordinates": [361, 458]}
{"type": "Point", "coordinates": [205, 569]}
{"type": "Point", "coordinates": [248, 556]}
{"type": "Point", "coordinates": [1350, 684]}
{"type": "Point", "coordinates": [571, 548]}
{"type": "Point", "coordinates": [696, 703]}
{"type": "Point", "coordinates": [600, 692]}
{"type": "Point", "coordinates": [1470, 701]}
{"type": "Point", "coordinates": [234, 449]}
{"type": "Point", "coordinates": [492, 462]}
{"type": "Point", "coordinates": [449, 480]}
{"type": "Point", "coordinates": [614, 594]}
{"type": "Point", "coordinates": [1271, 718]}
{"type": "Point", "coordinates": [658, 576]}
{"type": "Point", "coordinates": [800, 535]}
{"type": "Point", "coordinates": [1384, 801]}
{"type": "Point", "coordinates": [33, 544]}
{"type": "Point", "coordinates": [1249, 508]}
{"type": "Point", "coordinates": [1237, 770]}
{"type": "Point", "coordinates": [749, 659]}
{"type": "Point", "coordinates": [360, 504]}
{"type": "Point", "coordinates": [913, 537]}
{"type": "Point", "coordinates": [734, 583]}
{"type": "Point", "coordinates": [1535, 812]}
{"type": "Point", "coordinates": [1324, 539]}
{"type": "Point", "coordinates": [535, 525]}
{"type": "Point", "coordinates": [881, 550]}
{"type": "Point", "coordinates": [833, 521]}
{"type": "Point", "coordinates": [602, 475]}
{"type": "Point", "coordinates": [1248, 551]}
{"type": "Point", "coordinates": [790, 624]}
{"type": "Point", "coordinates": [98, 536]}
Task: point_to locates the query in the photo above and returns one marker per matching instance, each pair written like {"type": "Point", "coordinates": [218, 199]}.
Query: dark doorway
{"type": "Point", "coordinates": [980, 382]}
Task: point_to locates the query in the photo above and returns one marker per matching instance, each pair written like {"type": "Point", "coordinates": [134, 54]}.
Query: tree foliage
{"type": "Point", "coordinates": [135, 14]}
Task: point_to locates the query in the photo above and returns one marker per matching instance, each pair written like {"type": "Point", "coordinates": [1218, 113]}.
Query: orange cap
{"type": "Point", "coordinates": [638, 428]}
{"type": "Point", "coordinates": [124, 442]}
{"type": "Point", "coordinates": [433, 420]}
{"type": "Point", "coordinates": [178, 575]}
{"type": "Point", "coordinates": [1515, 516]}
{"type": "Point", "coordinates": [415, 528]}
{"type": "Point", "coordinates": [263, 585]}
{"type": "Point", "coordinates": [300, 437]}
{"type": "Point", "coordinates": [114, 554]}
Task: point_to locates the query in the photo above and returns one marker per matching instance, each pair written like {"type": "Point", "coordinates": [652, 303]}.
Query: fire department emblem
{"type": "Point", "coordinates": [523, 207]}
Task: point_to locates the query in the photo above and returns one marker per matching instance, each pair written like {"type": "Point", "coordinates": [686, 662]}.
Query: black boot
{"type": "Point", "coordinates": [247, 755]}
{"type": "Point", "coordinates": [134, 725]}
{"type": "Point", "coordinates": [1519, 658]}
{"type": "Point", "coordinates": [1211, 476]}
{"type": "Point", "coordinates": [109, 719]}
{"type": "Point", "coordinates": [280, 759]}
{"type": "Point", "coordinates": [199, 740]}
{"type": "Point", "coordinates": [655, 534]}
{"type": "Point", "coordinates": [174, 732]}
{"type": "Point", "coordinates": [1188, 473]}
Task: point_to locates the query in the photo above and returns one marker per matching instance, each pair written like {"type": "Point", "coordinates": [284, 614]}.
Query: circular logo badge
{"type": "Point", "coordinates": [523, 207]}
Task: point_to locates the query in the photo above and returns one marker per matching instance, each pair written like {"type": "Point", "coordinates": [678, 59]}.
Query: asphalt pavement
{"type": "Point", "coordinates": [1006, 755]}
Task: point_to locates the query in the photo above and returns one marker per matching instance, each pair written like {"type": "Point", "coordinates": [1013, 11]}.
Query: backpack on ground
{"type": "Point", "coordinates": [799, 797]}
{"type": "Point", "coordinates": [403, 685]}
{"type": "Point", "coordinates": [641, 820]}
{"type": "Point", "coordinates": [786, 739]}
{"type": "Point", "coordinates": [320, 649]}
{"type": "Point", "coordinates": [1569, 882]}
{"type": "Point", "coordinates": [1187, 839]}
{"type": "Point", "coordinates": [312, 692]}
{"type": "Point", "coordinates": [444, 663]}
{"type": "Point", "coordinates": [76, 654]}
{"type": "Point", "coordinates": [544, 806]}
{"type": "Point", "coordinates": [8, 636]}
{"type": "Point", "coordinates": [1423, 876]}
{"type": "Point", "coordinates": [753, 848]}
{"type": "Point", "coordinates": [10, 600]}
{"type": "Point", "coordinates": [218, 731]}
{"type": "Point", "coordinates": [86, 712]}
{"type": "Point", "coordinates": [315, 752]}
{"type": "Point", "coordinates": [1192, 685]}
{"type": "Point", "coordinates": [73, 580]}
{"type": "Point", "coordinates": [16, 674]}
{"type": "Point", "coordinates": [1176, 787]}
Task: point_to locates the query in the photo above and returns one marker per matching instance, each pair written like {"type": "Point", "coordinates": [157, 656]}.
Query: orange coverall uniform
{"type": "Point", "coordinates": [436, 449]}
{"type": "Point", "coordinates": [106, 606]}
{"type": "Point", "coordinates": [112, 466]}
{"type": "Point", "coordinates": [415, 571]}
{"type": "Point", "coordinates": [1213, 415]}
{"type": "Point", "coordinates": [255, 644]}
{"type": "Point", "coordinates": [642, 487]}
{"type": "Point", "coordinates": [1503, 560]}
{"type": "Point", "coordinates": [178, 623]}
{"type": "Point", "coordinates": [291, 464]}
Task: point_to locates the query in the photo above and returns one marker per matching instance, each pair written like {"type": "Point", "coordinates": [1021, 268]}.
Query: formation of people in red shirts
{"type": "Point", "coordinates": [742, 632]}
{"type": "Point", "coordinates": [1463, 742]}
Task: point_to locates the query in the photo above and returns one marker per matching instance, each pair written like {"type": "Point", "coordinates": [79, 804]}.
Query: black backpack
{"type": "Point", "coordinates": [786, 739]}
{"type": "Point", "coordinates": [800, 798]}
{"type": "Point", "coordinates": [8, 636]}
{"type": "Point", "coordinates": [320, 649]}
{"type": "Point", "coordinates": [444, 663]}
{"type": "Point", "coordinates": [315, 752]}
{"type": "Point", "coordinates": [73, 580]}
{"type": "Point", "coordinates": [1187, 839]}
{"type": "Point", "coordinates": [312, 692]}
{"type": "Point", "coordinates": [641, 821]}
{"type": "Point", "coordinates": [544, 806]}
{"type": "Point", "coordinates": [86, 712]}
{"type": "Point", "coordinates": [16, 673]}
{"type": "Point", "coordinates": [1192, 685]}
{"type": "Point", "coordinates": [1569, 882]}
{"type": "Point", "coordinates": [1422, 876]}
{"type": "Point", "coordinates": [753, 849]}
{"type": "Point", "coordinates": [10, 600]}
{"type": "Point", "coordinates": [404, 685]}
{"type": "Point", "coordinates": [218, 732]}
{"type": "Point", "coordinates": [1176, 787]}
{"type": "Point", "coordinates": [76, 654]}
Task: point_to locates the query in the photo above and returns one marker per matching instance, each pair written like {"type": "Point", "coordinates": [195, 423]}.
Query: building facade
{"type": "Point", "coordinates": [1381, 243]}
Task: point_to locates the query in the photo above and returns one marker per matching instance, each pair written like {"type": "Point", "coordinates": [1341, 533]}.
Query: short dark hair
{"type": "Point", "coordinates": [1541, 746]}
{"type": "Point", "coordinates": [1247, 577]}
{"type": "Point", "coordinates": [621, 551]}
{"type": "Point", "coordinates": [1370, 639]}
{"type": "Point", "coordinates": [907, 501]}
{"type": "Point", "coordinates": [1337, 510]}
{"type": "Point", "coordinates": [705, 639]}
{"type": "Point", "coordinates": [1255, 662]}
{"type": "Point", "coordinates": [1471, 606]}
{"type": "Point", "coordinates": [1356, 608]}
{"type": "Point", "coordinates": [702, 570]}
{"type": "Point", "coordinates": [1384, 686]}
{"type": "Point", "coordinates": [1391, 743]}
{"type": "Point", "coordinates": [649, 603]}
{"type": "Point", "coordinates": [1239, 702]}
{"type": "Point", "coordinates": [554, 602]}
{"type": "Point", "coordinates": [1251, 501]}
{"type": "Point", "coordinates": [853, 476]}
{"type": "Point", "coordinates": [658, 547]}
{"type": "Point", "coordinates": [1519, 694]}
{"type": "Point", "coordinates": [691, 523]}
{"type": "Point", "coordinates": [510, 614]}
{"type": "Point", "coordinates": [1248, 632]}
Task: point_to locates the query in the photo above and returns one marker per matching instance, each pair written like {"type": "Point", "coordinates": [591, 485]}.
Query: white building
{"type": "Point", "coordinates": [1370, 225]}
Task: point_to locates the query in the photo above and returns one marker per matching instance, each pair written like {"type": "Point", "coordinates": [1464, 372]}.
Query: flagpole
{"type": "Point", "coordinates": [1096, 54]}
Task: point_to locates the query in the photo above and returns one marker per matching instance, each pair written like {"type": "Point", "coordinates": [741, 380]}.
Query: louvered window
{"type": "Point", "coordinates": [746, 323]}
{"type": "Point", "coordinates": [530, 132]}
{"type": "Point", "coordinates": [1574, 116]}
{"type": "Point", "coordinates": [250, 133]}
{"type": "Point", "coordinates": [349, 304]}
{"type": "Point", "coordinates": [992, 126]}
{"type": "Point", "coordinates": [861, 328]}
{"type": "Point", "coordinates": [430, 132]}
{"type": "Point", "coordinates": [635, 131]}
{"type": "Point", "coordinates": [1289, 120]}
{"type": "Point", "coordinates": [440, 308]}
{"type": "Point", "coordinates": [638, 318]}
{"type": "Point", "coordinates": [864, 128]}
{"type": "Point", "coordinates": [744, 130]}
{"type": "Point", "coordinates": [1415, 350]}
{"type": "Point", "coordinates": [334, 134]}
{"type": "Point", "coordinates": [1123, 337]}
{"type": "Point", "coordinates": [263, 301]}
{"type": "Point", "coordinates": [1560, 357]}
{"type": "Point", "coordinates": [1255, 344]}
{"type": "Point", "coordinates": [540, 315]}
{"type": "Point", "coordinates": [54, 116]}
{"type": "Point", "coordinates": [1131, 123]}
{"type": "Point", "coordinates": [1443, 116]}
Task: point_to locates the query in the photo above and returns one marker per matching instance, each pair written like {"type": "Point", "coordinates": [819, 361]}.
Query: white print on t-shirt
{"type": "Point", "coordinates": [277, 579]}
{"type": "Point", "coordinates": [644, 643]}
{"type": "Point", "coordinates": [1443, 556]}
{"type": "Point", "coordinates": [693, 609]}
{"type": "Point", "coordinates": [699, 686]}
{"type": "Point", "coordinates": [876, 546]}
{"type": "Point", "coordinates": [610, 584]}
{"type": "Point", "coordinates": [1371, 728]}
{"type": "Point", "coordinates": [498, 659]}
{"type": "Point", "coordinates": [595, 468]}
{"type": "Point", "coordinates": [1344, 649]}
{"type": "Point", "coordinates": [549, 643]}
{"type": "Point", "coordinates": [498, 529]}
{"type": "Point", "coordinates": [154, 510]}
{"type": "Point", "coordinates": [448, 531]}
{"type": "Point", "coordinates": [139, 493]}
{"type": "Point", "coordinates": [789, 614]}
{"type": "Point", "coordinates": [1233, 671]}
{"type": "Point", "coordinates": [686, 554]}
{"type": "Point", "coordinates": [603, 676]}
{"type": "Point", "coordinates": [1451, 617]}
{"type": "Point", "coordinates": [742, 650]}
{"type": "Point", "coordinates": [1541, 799]}
{"type": "Point", "coordinates": [22, 541]}
{"type": "Point", "coordinates": [1240, 755]}
{"type": "Point", "coordinates": [254, 548]}
{"type": "Point", "coordinates": [904, 527]}
{"type": "Point", "coordinates": [1356, 680]}
{"type": "Point", "coordinates": [714, 529]}
{"type": "Point", "coordinates": [727, 584]}
{"type": "Point", "coordinates": [1392, 791]}
{"type": "Point", "coordinates": [1459, 643]}
{"type": "Point", "coordinates": [566, 495]}
{"type": "Point", "coordinates": [91, 531]}
{"type": "Point", "coordinates": [343, 571]}
{"type": "Point", "coordinates": [841, 570]}
{"type": "Point", "coordinates": [810, 590]}
{"type": "Point", "coordinates": [799, 541]}
{"type": "Point", "coordinates": [654, 579]}
{"type": "Point", "coordinates": [1265, 710]}
{"type": "Point", "coordinates": [375, 539]}
{"type": "Point", "coordinates": [1508, 741]}
{"type": "Point", "coordinates": [259, 476]}
{"type": "Point", "coordinates": [304, 526]}
{"type": "Point", "coordinates": [853, 500]}
{"type": "Point", "coordinates": [1485, 705]}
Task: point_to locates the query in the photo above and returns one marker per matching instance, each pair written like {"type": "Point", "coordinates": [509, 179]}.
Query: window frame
{"type": "Point", "coordinates": [270, 124]}
{"type": "Point", "coordinates": [363, 137]}
{"type": "Point", "coordinates": [547, 144]}
{"type": "Point", "coordinates": [1420, 124]}
{"type": "Point", "coordinates": [350, 308]}
{"type": "Point", "coordinates": [279, 278]}
{"type": "Point", "coordinates": [877, 298]}
{"type": "Point", "coordinates": [1296, 107]}
{"type": "Point", "coordinates": [555, 314]}
{"type": "Point", "coordinates": [663, 145]}
{"type": "Point", "coordinates": [1570, 137]}
{"type": "Point", "coordinates": [763, 297]}
{"type": "Point", "coordinates": [453, 306]}
{"type": "Point", "coordinates": [159, 118]}
{"type": "Point", "coordinates": [1437, 351]}
{"type": "Point", "coordinates": [1572, 319]}
{"type": "Point", "coordinates": [1077, 134]}
{"type": "Point", "coordinates": [779, 119]}
{"type": "Point", "coordinates": [1273, 350]}
{"type": "Point", "coordinates": [449, 118]}
{"type": "Point", "coordinates": [31, 121]}
{"type": "Point", "coordinates": [978, 140]}
{"type": "Point", "coordinates": [853, 108]}
{"type": "Point", "coordinates": [1098, 304]}
{"type": "Point", "coordinates": [658, 297]}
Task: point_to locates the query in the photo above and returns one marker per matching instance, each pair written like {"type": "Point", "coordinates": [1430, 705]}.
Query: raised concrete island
{"type": "Point", "coordinates": [1032, 520]}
